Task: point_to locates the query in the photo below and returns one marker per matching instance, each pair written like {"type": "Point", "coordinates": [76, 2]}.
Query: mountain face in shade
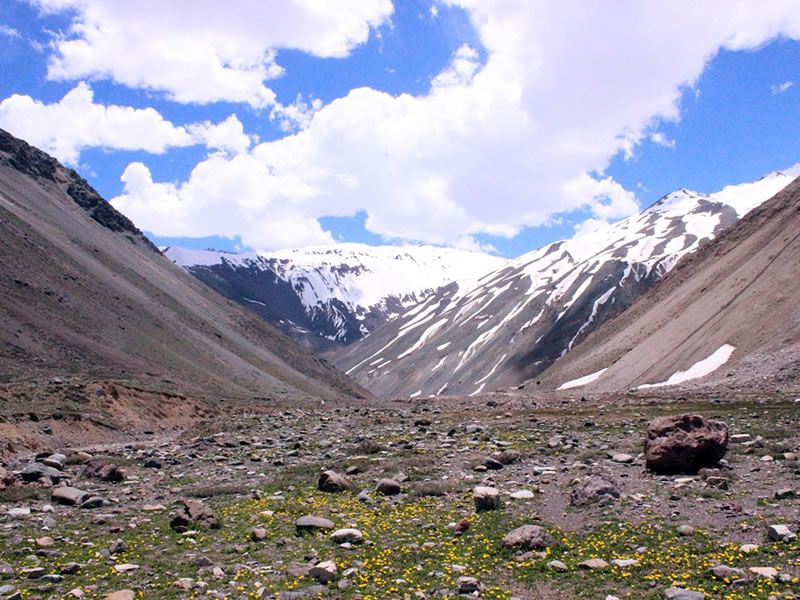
{"type": "Point", "coordinates": [331, 296]}
{"type": "Point", "coordinates": [728, 315]}
{"type": "Point", "coordinates": [84, 294]}
{"type": "Point", "coordinates": [516, 321]}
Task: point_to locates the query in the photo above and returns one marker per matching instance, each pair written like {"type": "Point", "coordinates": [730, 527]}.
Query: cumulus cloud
{"type": "Point", "coordinates": [200, 54]}
{"type": "Point", "coordinates": [494, 146]}
{"type": "Point", "coordinates": [75, 122]}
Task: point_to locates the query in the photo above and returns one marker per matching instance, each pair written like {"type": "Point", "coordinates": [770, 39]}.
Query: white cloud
{"type": "Point", "coordinates": [75, 122]}
{"type": "Point", "coordinates": [9, 32]}
{"type": "Point", "coordinates": [660, 139]}
{"type": "Point", "coordinates": [781, 87]}
{"type": "Point", "coordinates": [492, 147]}
{"type": "Point", "coordinates": [217, 51]}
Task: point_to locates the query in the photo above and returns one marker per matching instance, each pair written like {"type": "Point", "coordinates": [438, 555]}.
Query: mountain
{"type": "Point", "coordinates": [331, 296]}
{"type": "Point", "coordinates": [83, 294]}
{"type": "Point", "coordinates": [727, 315]}
{"type": "Point", "coordinates": [514, 322]}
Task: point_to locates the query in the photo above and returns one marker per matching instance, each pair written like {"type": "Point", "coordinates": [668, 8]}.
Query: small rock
{"type": "Point", "coordinates": [486, 498]}
{"type": "Point", "coordinates": [388, 487]}
{"type": "Point", "coordinates": [324, 572]}
{"type": "Point", "coordinates": [310, 523]}
{"type": "Point", "coordinates": [468, 585]}
{"type": "Point", "coordinates": [332, 482]}
{"type": "Point", "coordinates": [69, 495]}
{"type": "Point", "coordinates": [258, 534]}
{"type": "Point", "coordinates": [594, 564]}
{"type": "Point", "coordinates": [121, 595]}
{"type": "Point", "coordinates": [557, 565]}
{"type": "Point", "coordinates": [764, 572]}
{"type": "Point", "coordinates": [528, 537]}
{"type": "Point", "coordinates": [681, 594]}
{"type": "Point", "coordinates": [347, 536]}
{"type": "Point", "coordinates": [780, 533]}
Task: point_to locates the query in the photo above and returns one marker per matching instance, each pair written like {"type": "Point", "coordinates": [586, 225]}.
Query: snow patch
{"type": "Point", "coordinates": [581, 381]}
{"type": "Point", "coordinates": [698, 369]}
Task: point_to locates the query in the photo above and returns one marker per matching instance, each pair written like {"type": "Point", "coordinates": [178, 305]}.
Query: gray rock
{"type": "Point", "coordinates": [388, 487]}
{"type": "Point", "coordinates": [680, 594]}
{"type": "Point", "coordinates": [347, 536]}
{"type": "Point", "coordinates": [193, 513]}
{"type": "Point", "coordinates": [69, 495]}
{"type": "Point", "coordinates": [468, 585]}
{"type": "Point", "coordinates": [486, 498]}
{"type": "Point", "coordinates": [594, 490]}
{"type": "Point", "coordinates": [332, 482]}
{"type": "Point", "coordinates": [780, 533]}
{"type": "Point", "coordinates": [528, 537]}
{"type": "Point", "coordinates": [324, 572]}
{"type": "Point", "coordinates": [310, 523]}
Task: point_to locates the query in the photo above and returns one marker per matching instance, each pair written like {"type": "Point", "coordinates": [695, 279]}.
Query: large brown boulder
{"type": "Point", "coordinates": [684, 444]}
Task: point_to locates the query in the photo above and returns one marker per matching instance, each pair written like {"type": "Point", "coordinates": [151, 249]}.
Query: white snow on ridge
{"type": "Point", "coordinates": [581, 381]}
{"type": "Point", "coordinates": [699, 369]}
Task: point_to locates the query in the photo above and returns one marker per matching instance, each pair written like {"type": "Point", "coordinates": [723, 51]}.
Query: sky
{"type": "Point", "coordinates": [488, 125]}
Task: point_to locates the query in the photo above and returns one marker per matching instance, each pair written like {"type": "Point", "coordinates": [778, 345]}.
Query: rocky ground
{"type": "Point", "coordinates": [233, 509]}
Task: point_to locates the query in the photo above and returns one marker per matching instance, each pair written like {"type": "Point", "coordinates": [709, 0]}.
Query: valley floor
{"type": "Point", "coordinates": [258, 472]}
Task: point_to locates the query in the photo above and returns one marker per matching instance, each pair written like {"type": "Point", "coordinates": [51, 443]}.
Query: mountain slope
{"type": "Point", "coordinates": [728, 313]}
{"type": "Point", "coordinates": [83, 293]}
{"type": "Point", "coordinates": [332, 295]}
{"type": "Point", "coordinates": [513, 323]}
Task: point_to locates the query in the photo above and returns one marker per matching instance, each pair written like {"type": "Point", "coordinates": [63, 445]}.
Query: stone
{"type": "Point", "coordinates": [486, 498]}
{"type": "Point", "coordinates": [310, 523]}
{"type": "Point", "coordinates": [558, 566]}
{"type": "Point", "coordinates": [107, 472]}
{"type": "Point", "coordinates": [258, 534]}
{"type": "Point", "coordinates": [6, 571]}
{"type": "Point", "coordinates": [347, 536]}
{"type": "Point", "coordinates": [685, 530]}
{"type": "Point", "coordinates": [332, 482]}
{"type": "Point", "coordinates": [764, 572]}
{"type": "Point", "coordinates": [125, 567]}
{"type": "Point", "coordinates": [193, 513]}
{"type": "Point", "coordinates": [780, 533]}
{"type": "Point", "coordinates": [38, 472]}
{"type": "Point", "coordinates": [388, 487]}
{"type": "Point", "coordinates": [624, 563]}
{"type": "Point", "coordinates": [684, 444]}
{"type": "Point", "coordinates": [523, 495]}
{"type": "Point", "coordinates": [468, 585]}
{"type": "Point", "coordinates": [121, 595]}
{"type": "Point", "coordinates": [45, 542]}
{"type": "Point", "coordinates": [674, 593]}
{"type": "Point", "coordinates": [594, 490]}
{"type": "Point", "coordinates": [492, 464]}
{"type": "Point", "coordinates": [726, 572]}
{"type": "Point", "coordinates": [748, 548]}
{"type": "Point", "coordinates": [785, 494]}
{"type": "Point", "coordinates": [622, 458]}
{"type": "Point", "coordinates": [324, 572]}
{"type": "Point", "coordinates": [528, 537]}
{"type": "Point", "coordinates": [315, 591]}
{"type": "Point", "coordinates": [69, 495]}
{"type": "Point", "coordinates": [594, 564]}
{"type": "Point", "coordinates": [93, 502]}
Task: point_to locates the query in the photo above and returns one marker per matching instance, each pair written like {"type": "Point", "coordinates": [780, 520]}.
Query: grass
{"type": "Point", "coordinates": [408, 548]}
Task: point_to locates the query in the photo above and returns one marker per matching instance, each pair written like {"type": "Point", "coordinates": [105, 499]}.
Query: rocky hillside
{"type": "Point", "coordinates": [516, 321]}
{"type": "Point", "coordinates": [728, 314]}
{"type": "Point", "coordinates": [331, 296]}
{"type": "Point", "coordinates": [84, 294]}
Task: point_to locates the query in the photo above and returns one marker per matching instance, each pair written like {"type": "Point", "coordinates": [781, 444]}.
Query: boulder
{"type": "Point", "coordinates": [193, 513]}
{"type": "Point", "coordinates": [486, 498]}
{"type": "Point", "coordinates": [103, 471]}
{"type": "Point", "coordinates": [468, 585]}
{"type": "Point", "coordinates": [388, 487]}
{"type": "Point", "coordinates": [347, 536]}
{"type": "Point", "coordinates": [332, 482]}
{"type": "Point", "coordinates": [528, 537]}
{"type": "Point", "coordinates": [684, 444]}
{"type": "Point", "coordinates": [594, 490]}
{"type": "Point", "coordinates": [324, 572]}
{"type": "Point", "coordinates": [310, 523]}
{"type": "Point", "coordinates": [69, 495]}
{"type": "Point", "coordinates": [674, 593]}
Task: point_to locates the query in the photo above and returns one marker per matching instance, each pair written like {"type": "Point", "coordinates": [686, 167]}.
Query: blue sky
{"type": "Point", "coordinates": [437, 169]}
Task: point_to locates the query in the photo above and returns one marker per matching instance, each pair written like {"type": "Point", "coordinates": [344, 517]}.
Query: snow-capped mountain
{"type": "Point", "coordinates": [333, 295]}
{"type": "Point", "coordinates": [512, 323]}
